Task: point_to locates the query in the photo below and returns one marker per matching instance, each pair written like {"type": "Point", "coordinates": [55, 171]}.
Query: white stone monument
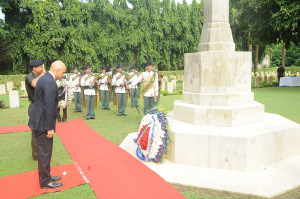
{"type": "Point", "coordinates": [9, 86]}
{"type": "Point", "coordinates": [218, 129]}
{"type": "Point", "coordinates": [23, 88]}
{"type": "Point", "coordinates": [217, 123]}
{"type": "Point", "coordinates": [2, 89]}
{"type": "Point", "coordinates": [14, 99]}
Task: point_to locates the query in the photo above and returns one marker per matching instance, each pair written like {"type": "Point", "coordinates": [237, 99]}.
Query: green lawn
{"type": "Point", "coordinates": [16, 151]}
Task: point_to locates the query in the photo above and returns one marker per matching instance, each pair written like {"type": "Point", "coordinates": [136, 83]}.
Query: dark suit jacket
{"type": "Point", "coordinates": [43, 114]}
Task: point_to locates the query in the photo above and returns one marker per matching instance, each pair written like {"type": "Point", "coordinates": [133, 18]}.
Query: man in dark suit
{"type": "Point", "coordinates": [43, 120]}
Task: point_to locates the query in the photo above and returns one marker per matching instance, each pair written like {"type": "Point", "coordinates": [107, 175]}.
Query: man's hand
{"type": "Point", "coordinates": [127, 87]}
{"type": "Point", "coordinates": [50, 134]}
{"type": "Point", "coordinates": [122, 84]}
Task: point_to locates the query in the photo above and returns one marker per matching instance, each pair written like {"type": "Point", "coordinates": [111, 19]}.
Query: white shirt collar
{"type": "Point", "coordinates": [52, 75]}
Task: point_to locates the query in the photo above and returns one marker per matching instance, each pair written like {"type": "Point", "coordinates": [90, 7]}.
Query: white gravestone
{"type": "Point", "coordinates": [2, 89]}
{"type": "Point", "coordinates": [170, 87]}
{"type": "Point", "coordinates": [14, 99]}
{"type": "Point", "coordinates": [163, 85]}
{"type": "Point", "coordinates": [9, 86]}
{"type": "Point", "coordinates": [23, 88]}
{"type": "Point", "coordinates": [174, 84]}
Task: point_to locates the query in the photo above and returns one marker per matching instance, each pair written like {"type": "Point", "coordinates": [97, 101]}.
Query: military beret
{"type": "Point", "coordinates": [132, 67]}
{"type": "Point", "coordinates": [119, 66]}
{"type": "Point", "coordinates": [75, 67]}
{"type": "Point", "coordinates": [148, 63]}
{"type": "Point", "coordinates": [87, 66]}
{"type": "Point", "coordinates": [110, 66]}
{"type": "Point", "coordinates": [35, 63]}
{"type": "Point", "coordinates": [103, 68]}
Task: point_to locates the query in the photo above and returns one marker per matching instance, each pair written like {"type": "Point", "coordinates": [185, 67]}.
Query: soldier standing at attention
{"type": "Point", "coordinates": [151, 88]}
{"type": "Point", "coordinates": [75, 81]}
{"type": "Point", "coordinates": [118, 81]}
{"type": "Point", "coordinates": [111, 73]}
{"type": "Point", "coordinates": [88, 82]}
{"type": "Point", "coordinates": [37, 70]}
{"type": "Point", "coordinates": [104, 89]}
{"type": "Point", "coordinates": [132, 77]}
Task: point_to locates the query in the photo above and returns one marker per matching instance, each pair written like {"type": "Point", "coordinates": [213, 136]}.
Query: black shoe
{"type": "Point", "coordinates": [119, 115]}
{"type": "Point", "coordinates": [93, 118]}
{"type": "Point", "coordinates": [55, 178]}
{"type": "Point", "coordinates": [88, 118]}
{"type": "Point", "coordinates": [107, 108]}
{"type": "Point", "coordinates": [35, 159]}
{"type": "Point", "coordinates": [103, 108]}
{"type": "Point", "coordinates": [124, 114]}
{"type": "Point", "coordinates": [52, 185]}
{"type": "Point", "coordinates": [79, 111]}
{"type": "Point", "coordinates": [58, 120]}
{"type": "Point", "coordinates": [64, 119]}
{"type": "Point", "coordinates": [76, 111]}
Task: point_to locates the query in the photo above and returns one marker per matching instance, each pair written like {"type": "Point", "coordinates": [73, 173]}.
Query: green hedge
{"type": "Point", "coordinates": [12, 78]}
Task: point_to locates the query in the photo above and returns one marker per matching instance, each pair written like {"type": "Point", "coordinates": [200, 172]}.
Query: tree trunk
{"type": "Point", "coordinates": [249, 45]}
{"type": "Point", "coordinates": [283, 54]}
{"type": "Point", "coordinates": [256, 58]}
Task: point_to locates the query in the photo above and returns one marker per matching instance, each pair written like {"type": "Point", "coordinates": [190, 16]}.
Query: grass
{"type": "Point", "coordinates": [16, 150]}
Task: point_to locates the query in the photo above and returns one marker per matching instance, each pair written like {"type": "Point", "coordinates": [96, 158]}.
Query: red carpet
{"type": "Point", "coordinates": [112, 172]}
{"type": "Point", "coordinates": [26, 185]}
{"type": "Point", "coordinates": [12, 129]}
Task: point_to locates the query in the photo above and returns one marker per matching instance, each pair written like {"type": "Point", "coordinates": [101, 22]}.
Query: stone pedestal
{"type": "Point", "coordinates": [14, 99]}
{"type": "Point", "coordinates": [218, 91]}
{"type": "Point", "coordinates": [2, 89]}
{"type": "Point", "coordinates": [241, 148]}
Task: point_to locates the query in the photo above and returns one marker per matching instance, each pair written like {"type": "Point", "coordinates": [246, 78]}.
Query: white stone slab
{"type": "Point", "coordinates": [23, 88]}
{"type": "Point", "coordinates": [170, 87]}
{"type": "Point", "coordinates": [9, 86]}
{"type": "Point", "coordinates": [267, 181]}
{"type": "Point", "coordinates": [14, 99]}
{"type": "Point", "coordinates": [2, 89]}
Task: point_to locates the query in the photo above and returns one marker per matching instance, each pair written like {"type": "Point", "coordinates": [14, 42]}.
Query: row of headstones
{"type": "Point", "coordinates": [265, 78]}
{"type": "Point", "coordinates": [9, 87]}
{"type": "Point", "coordinates": [274, 74]}
{"type": "Point", "coordinates": [13, 94]}
{"type": "Point", "coordinates": [178, 77]}
{"type": "Point", "coordinates": [170, 86]}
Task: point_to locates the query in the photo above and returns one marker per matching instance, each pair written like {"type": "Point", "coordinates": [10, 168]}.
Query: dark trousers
{"type": "Point", "coordinates": [64, 114]}
{"type": "Point", "coordinates": [77, 99]}
{"type": "Point", "coordinates": [45, 146]}
{"type": "Point", "coordinates": [105, 99]}
{"type": "Point", "coordinates": [121, 103]}
{"type": "Point", "coordinates": [33, 137]}
{"type": "Point", "coordinates": [90, 103]}
{"type": "Point", "coordinates": [134, 97]}
{"type": "Point", "coordinates": [149, 103]}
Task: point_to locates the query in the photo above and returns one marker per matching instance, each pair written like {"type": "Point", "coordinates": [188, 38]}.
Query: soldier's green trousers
{"type": "Point", "coordinates": [90, 101]}
{"type": "Point", "coordinates": [105, 99]}
{"type": "Point", "coordinates": [77, 99]}
{"type": "Point", "coordinates": [149, 103]}
{"type": "Point", "coordinates": [121, 103]}
{"type": "Point", "coordinates": [134, 97]}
